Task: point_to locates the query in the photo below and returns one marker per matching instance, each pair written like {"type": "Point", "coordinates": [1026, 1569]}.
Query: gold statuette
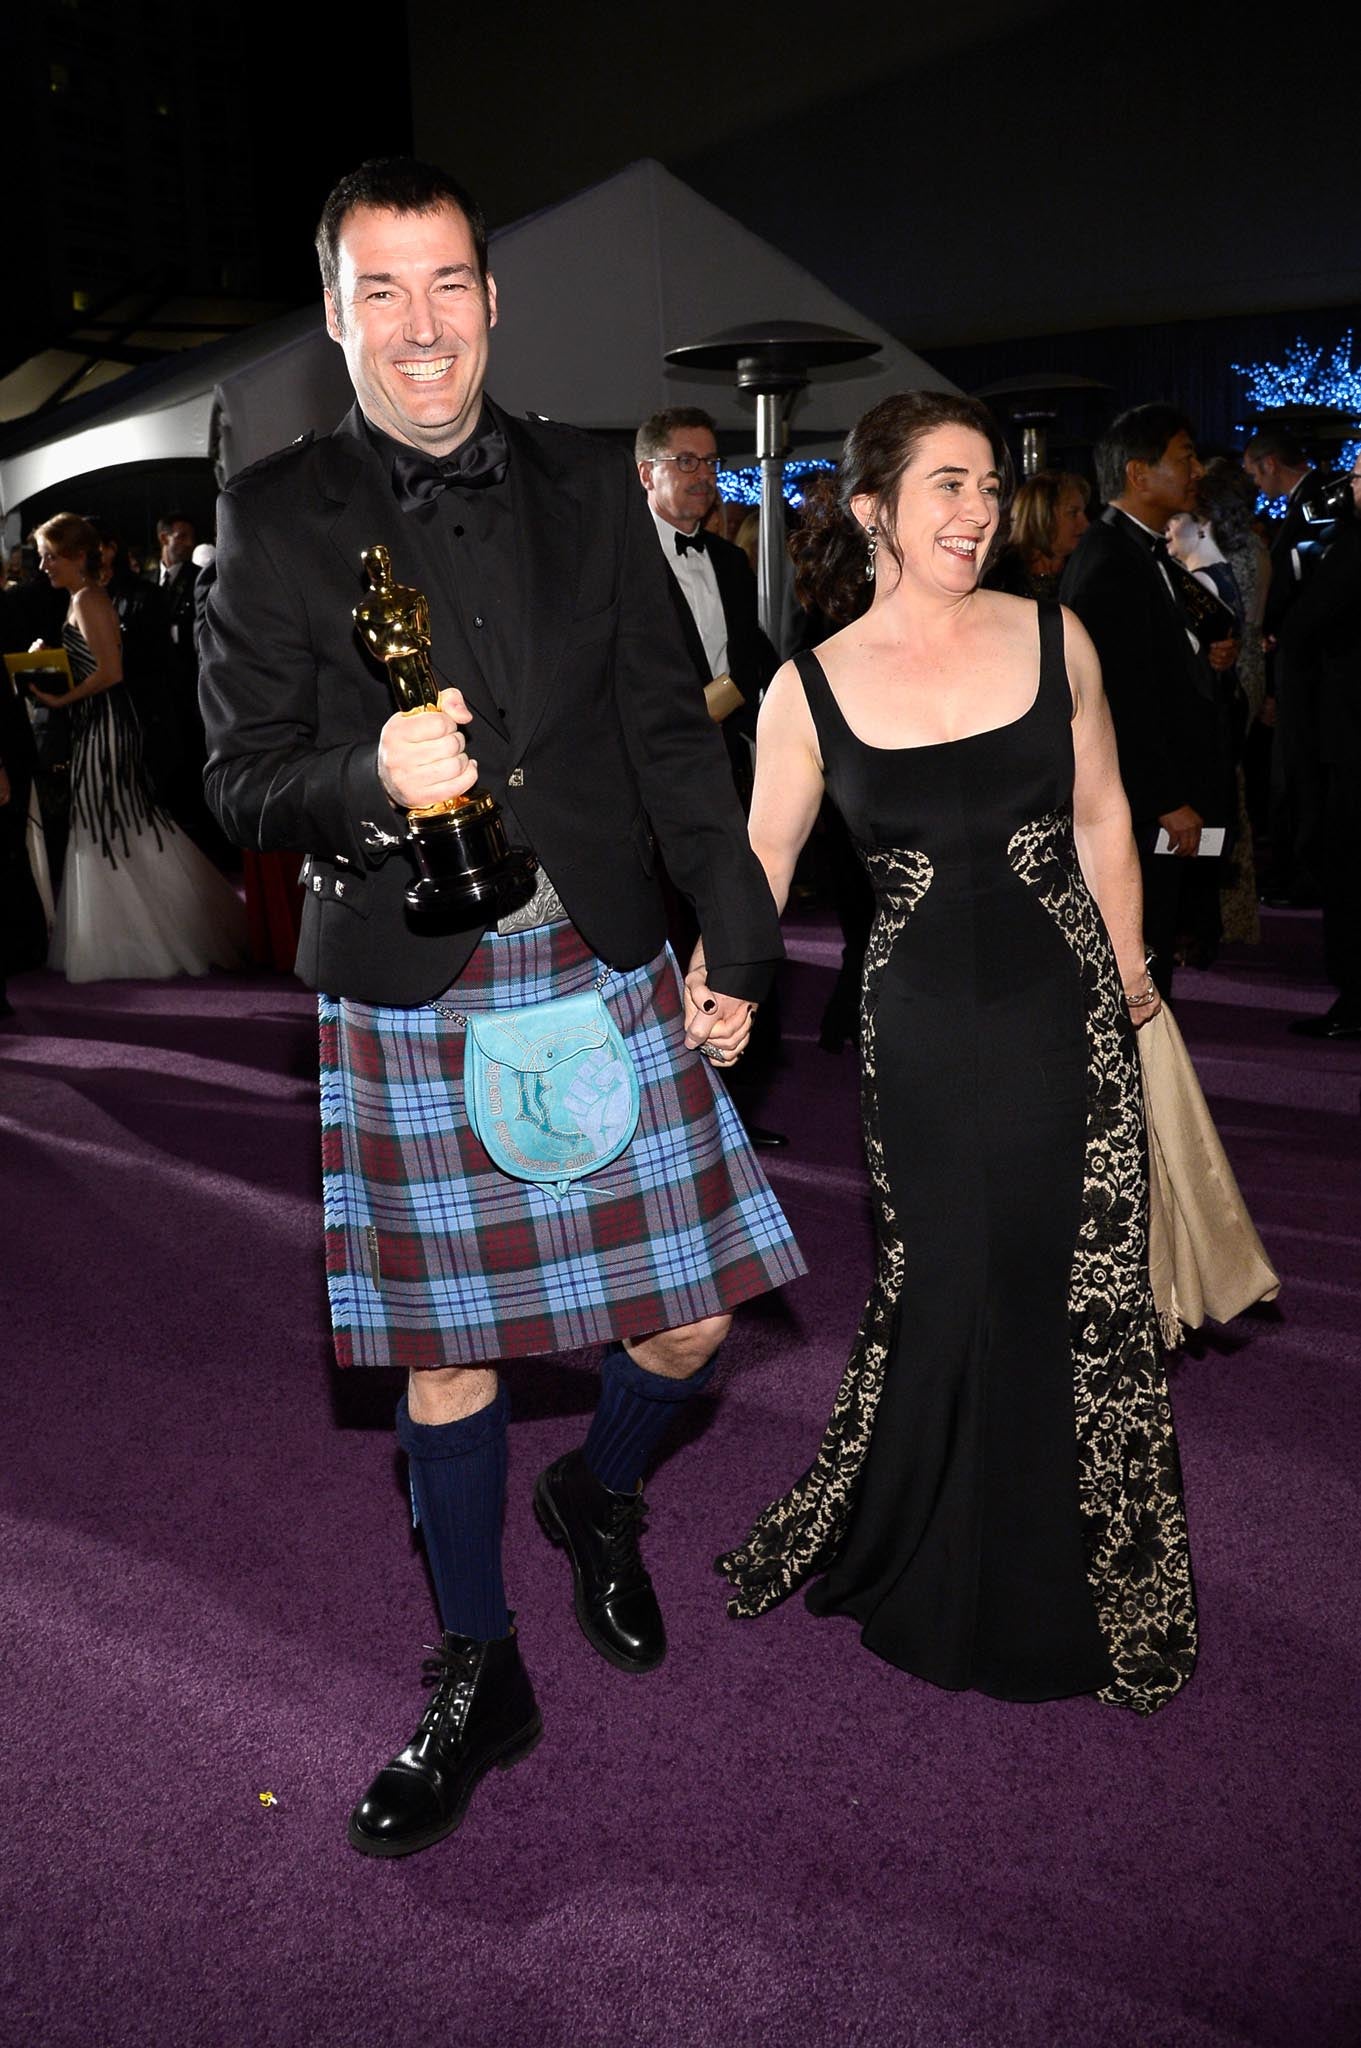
{"type": "Point", "coordinates": [467, 873]}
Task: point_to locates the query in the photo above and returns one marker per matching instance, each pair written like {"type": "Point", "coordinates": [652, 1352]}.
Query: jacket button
{"type": "Point", "coordinates": [516, 779]}
{"type": "Point", "coordinates": [478, 619]}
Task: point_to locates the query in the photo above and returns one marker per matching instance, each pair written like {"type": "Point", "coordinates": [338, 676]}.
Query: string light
{"type": "Point", "coordinates": [1306, 376]}
{"type": "Point", "coordinates": [1302, 377]}
{"type": "Point", "coordinates": [743, 486]}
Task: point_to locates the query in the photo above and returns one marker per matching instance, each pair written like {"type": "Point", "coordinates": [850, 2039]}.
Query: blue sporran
{"type": "Point", "coordinates": [550, 1090]}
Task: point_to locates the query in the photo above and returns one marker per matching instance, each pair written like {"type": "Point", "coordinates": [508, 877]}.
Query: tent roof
{"type": "Point", "coordinates": [593, 292]}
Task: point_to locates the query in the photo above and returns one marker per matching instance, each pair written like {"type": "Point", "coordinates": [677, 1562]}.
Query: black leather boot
{"type": "Point", "coordinates": [482, 1712]}
{"type": "Point", "coordinates": [615, 1603]}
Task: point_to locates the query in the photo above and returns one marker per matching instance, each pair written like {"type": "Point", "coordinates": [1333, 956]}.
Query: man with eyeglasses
{"type": "Point", "coordinates": [714, 594]}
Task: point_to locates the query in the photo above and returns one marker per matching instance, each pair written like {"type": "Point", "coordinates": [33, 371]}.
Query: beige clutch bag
{"type": "Point", "coordinates": [723, 698]}
{"type": "Point", "coordinates": [1205, 1257]}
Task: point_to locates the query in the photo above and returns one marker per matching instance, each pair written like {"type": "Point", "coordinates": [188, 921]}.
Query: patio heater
{"type": "Point", "coordinates": [1032, 403]}
{"type": "Point", "coordinates": [772, 359]}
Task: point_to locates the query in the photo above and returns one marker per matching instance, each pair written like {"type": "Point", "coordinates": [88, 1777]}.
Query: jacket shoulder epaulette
{"type": "Point", "coordinates": [277, 460]}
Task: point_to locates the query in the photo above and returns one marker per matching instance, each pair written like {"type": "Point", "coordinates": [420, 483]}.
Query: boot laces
{"type": "Point", "coordinates": [453, 1675]}
{"type": "Point", "coordinates": [625, 1528]}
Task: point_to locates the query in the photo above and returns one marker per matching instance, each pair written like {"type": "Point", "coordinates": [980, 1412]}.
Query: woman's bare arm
{"type": "Point", "coordinates": [789, 782]}
{"type": "Point", "coordinates": [1101, 827]}
{"type": "Point", "coordinates": [102, 634]}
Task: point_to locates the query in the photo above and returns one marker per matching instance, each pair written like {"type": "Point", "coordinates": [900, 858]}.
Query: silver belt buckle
{"type": "Point", "coordinates": [543, 907]}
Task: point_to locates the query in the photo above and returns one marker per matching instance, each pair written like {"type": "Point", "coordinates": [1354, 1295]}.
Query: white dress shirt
{"type": "Point", "coordinates": [695, 575]}
{"type": "Point", "coordinates": [1154, 534]}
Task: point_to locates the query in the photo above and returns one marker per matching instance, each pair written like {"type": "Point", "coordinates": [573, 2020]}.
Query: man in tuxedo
{"type": "Point", "coordinates": [178, 576]}
{"type": "Point", "coordinates": [1160, 682]}
{"type": "Point", "coordinates": [180, 748]}
{"type": "Point", "coordinates": [567, 696]}
{"type": "Point", "coordinates": [1280, 469]}
{"type": "Point", "coordinates": [1320, 654]}
{"type": "Point", "coordinates": [713, 593]}
{"type": "Point", "coordinates": [713, 589]}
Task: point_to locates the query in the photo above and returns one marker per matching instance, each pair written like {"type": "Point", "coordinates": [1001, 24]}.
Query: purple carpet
{"type": "Point", "coordinates": [210, 1592]}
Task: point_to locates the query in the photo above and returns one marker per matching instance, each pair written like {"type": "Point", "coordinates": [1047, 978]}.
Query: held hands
{"type": "Point", "coordinates": [423, 758]}
{"type": "Point", "coordinates": [718, 1025]}
{"type": "Point", "coordinates": [1182, 827]}
{"type": "Point", "coordinates": [1222, 654]}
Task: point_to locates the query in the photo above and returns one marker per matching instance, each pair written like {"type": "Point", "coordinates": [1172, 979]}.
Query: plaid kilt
{"type": "Point", "coordinates": [434, 1257]}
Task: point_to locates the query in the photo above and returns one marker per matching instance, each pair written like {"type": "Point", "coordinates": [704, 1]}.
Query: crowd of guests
{"type": "Point", "coordinates": [996, 1496]}
{"type": "Point", "coordinates": [110, 865]}
{"type": "Point", "coordinates": [1234, 703]}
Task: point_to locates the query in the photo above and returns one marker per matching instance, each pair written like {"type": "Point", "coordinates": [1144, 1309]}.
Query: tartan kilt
{"type": "Point", "coordinates": [434, 1257]}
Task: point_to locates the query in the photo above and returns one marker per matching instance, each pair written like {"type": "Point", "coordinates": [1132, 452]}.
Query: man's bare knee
{"type": "Point", "coordinates": [449, 1393]}
{"type": "Point", "coordinates": [677, 1354]}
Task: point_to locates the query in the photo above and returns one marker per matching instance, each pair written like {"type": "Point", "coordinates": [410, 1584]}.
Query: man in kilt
{"type": "Point", "coordinates": [567, 694]}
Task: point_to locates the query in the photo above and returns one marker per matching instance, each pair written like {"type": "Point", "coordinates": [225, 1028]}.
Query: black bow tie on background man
{"type": "Point", "coordinates": [418, 479]}
{"type": "Point", "coordinates": [695, 540]}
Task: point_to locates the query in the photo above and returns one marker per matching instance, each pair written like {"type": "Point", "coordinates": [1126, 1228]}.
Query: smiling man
{"type": "Point", "coordinates": [568, 696]}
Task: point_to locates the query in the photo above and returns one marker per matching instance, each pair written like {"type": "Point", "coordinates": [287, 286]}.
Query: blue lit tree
{"type": "Point", "coordinates": [1306, 376]}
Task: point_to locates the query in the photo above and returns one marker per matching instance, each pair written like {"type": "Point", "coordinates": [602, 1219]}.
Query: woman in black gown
{"type": "Point", "coordinates": [996, 1499]}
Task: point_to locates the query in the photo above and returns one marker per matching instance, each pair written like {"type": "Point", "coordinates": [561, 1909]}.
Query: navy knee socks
{"type": "Point", "coordinates": [634, 1412]}
{"type": "Point", "coordinates": [458, 1491]}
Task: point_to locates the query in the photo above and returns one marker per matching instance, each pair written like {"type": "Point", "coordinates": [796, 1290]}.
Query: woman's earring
{"type": "Point", "coordinates": [872, 543]}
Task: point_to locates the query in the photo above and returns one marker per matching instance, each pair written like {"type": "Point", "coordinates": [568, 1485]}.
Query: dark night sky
{"type": "Point", "coordinates": [1015, 167]}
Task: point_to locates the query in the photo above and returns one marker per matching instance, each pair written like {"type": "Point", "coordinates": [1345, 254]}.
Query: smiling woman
{"type": "Point", "coordinates": [833, 559]}
{"type": "Point", "coordinates": [996, 1497]}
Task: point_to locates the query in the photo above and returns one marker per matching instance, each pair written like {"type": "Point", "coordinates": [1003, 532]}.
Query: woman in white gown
{"type": "Point", "coordinates": [137, 899]}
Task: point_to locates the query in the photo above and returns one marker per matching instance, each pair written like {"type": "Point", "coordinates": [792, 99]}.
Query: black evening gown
{"type": "Point", "coordinates": [997, 1498]}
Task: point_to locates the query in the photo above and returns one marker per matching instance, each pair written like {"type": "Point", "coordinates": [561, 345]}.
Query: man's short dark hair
{"type": "Point", "coordinates": [1140, 435]}
{"type": "Point", "coordinates": [652, 437]}
{"type": "Point", "coordinates": [1275, 441]}
{"type": "Point", "coordinates": [169, 519]}
{"type": "Point", "coordinates": [395, 184]}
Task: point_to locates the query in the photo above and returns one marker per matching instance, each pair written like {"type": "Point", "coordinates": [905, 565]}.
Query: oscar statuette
{"type": "Point", "coordinates": [467, 873]}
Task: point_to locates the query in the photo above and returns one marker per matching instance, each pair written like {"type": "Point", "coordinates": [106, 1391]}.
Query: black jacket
{"type": "Point", "coordinates": [1284, 586]}
{"type": "Point", "coordinates": [1163, 696]}
{"type": "Point", "coordinates": [609, 741]}
{"type": "Point", "coordinates": [752, 661]}
{"type": "Point", "coordinates": [1320, 650]}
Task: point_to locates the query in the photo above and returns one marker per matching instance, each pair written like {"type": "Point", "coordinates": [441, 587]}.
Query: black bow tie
{"type": "Point", "coordinates": [696, 540]}
{"type": "Point", "coordinates": [418, 479]}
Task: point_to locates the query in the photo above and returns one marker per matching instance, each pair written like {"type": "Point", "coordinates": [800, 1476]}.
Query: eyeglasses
{"type": "Point", "coordinates": [687, 463]}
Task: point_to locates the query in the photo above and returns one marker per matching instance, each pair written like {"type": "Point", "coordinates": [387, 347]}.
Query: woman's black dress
{"type": "Point", "coordinates": [997, 1498]}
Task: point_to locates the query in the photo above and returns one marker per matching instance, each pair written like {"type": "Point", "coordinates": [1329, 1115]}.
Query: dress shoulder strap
{"type": "Point", "coordinates": [1054, 680]}
{"type": "Point", "coordinates": [822, 705]}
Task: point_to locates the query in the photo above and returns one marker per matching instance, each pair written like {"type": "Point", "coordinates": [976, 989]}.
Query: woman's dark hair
{"type": "Point", "coordinates": [1227, 497]}
{"type": "Point", "coordinates": [1035, 509]}
{"type": "Point", "coordinates": [72, 537]}
{"type": "Point", "coordinates": [828, 548]}
{"type": "Point", "coordinates": [395, 184]}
